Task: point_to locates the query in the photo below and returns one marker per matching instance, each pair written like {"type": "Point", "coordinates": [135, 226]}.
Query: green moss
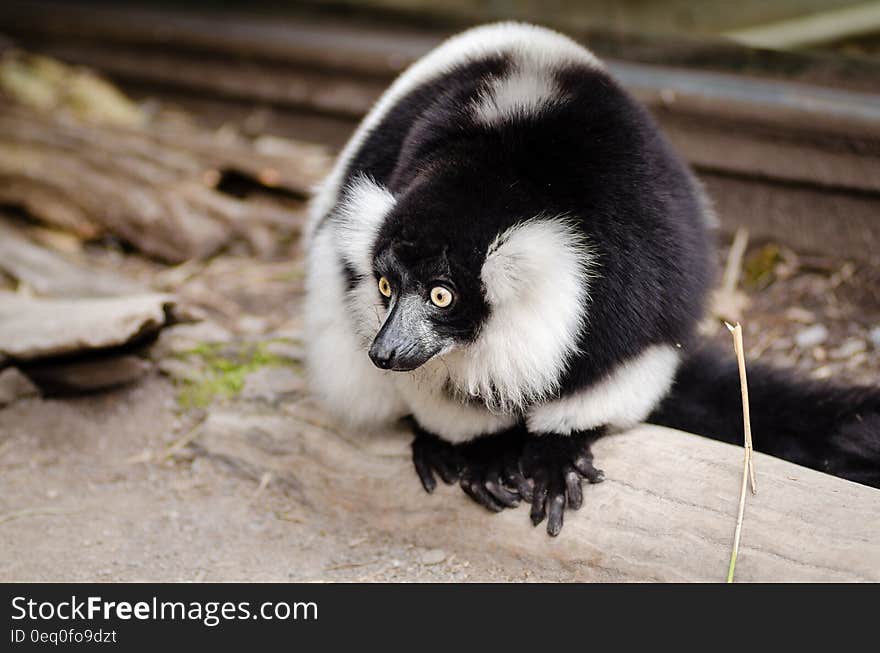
{"type": "Point", "coordinates": [223, 370]}
{"type": "Point", "coordinates": [759, 270]}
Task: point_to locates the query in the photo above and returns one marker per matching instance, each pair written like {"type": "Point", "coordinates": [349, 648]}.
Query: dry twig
{"type": "Point", "coordinates": [748, 465]}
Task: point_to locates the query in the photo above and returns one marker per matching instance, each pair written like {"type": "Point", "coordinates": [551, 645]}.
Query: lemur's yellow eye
{"type": "Point", "coordinates": [442, 297]}
{"type": "Point", "coordinates": [385, 287]}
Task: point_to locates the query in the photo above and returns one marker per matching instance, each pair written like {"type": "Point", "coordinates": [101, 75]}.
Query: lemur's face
{"type": "Point", "coordinates": [433, 302]}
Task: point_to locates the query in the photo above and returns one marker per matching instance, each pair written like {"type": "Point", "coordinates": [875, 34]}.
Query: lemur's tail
{"type": "Point", "coordinates": [830, 428]}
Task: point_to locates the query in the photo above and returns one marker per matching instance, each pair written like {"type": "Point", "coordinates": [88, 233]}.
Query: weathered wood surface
{"type": "Point", "coordinates": [666, 512]}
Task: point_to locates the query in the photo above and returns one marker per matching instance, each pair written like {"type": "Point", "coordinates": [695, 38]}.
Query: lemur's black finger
{"type": "Point", "coordinates": [555, 505]}
{"type": "Point", "coordinates": [573, 488]}
{"type": "Point", "coordinates": [515, 478]}
{"type": "Point", "coordinates": [584, 465]}
{"type": "Point", "coordinates": [423, 470]}
{"type": "Point", "coordinates": [539, 498]}
{"type": "Point", "coordinates": [448, 470]}
{"type": "Point", "coordinates": [476, 491]}
{"type": "Point", "coordinates": [495, 487]}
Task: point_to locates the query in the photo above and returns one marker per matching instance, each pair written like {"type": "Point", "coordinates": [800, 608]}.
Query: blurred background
{"type": "Point", "coordinates": [155, 163]}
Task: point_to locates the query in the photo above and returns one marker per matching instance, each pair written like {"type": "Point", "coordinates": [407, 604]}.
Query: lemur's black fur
{"type": "Point", "coordinates": [462, 178]}
{"type": "Point", "coordinates": [831, 428]}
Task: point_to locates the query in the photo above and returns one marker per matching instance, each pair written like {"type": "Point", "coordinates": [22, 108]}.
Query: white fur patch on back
{"type": "Point", "coordinates": [623, 399]}
{"type": "Point", "coordinates": [528, 43]}
{"type": "Point", "coordinates": [526, 91]}
{"type": "Point", "coordinates": [360, 215]}
{"type": "Point", "coordinates": [536, 278]}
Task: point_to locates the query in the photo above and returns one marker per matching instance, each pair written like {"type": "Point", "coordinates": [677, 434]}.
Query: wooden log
{"type": "Point", "coordinates": [666, 512]}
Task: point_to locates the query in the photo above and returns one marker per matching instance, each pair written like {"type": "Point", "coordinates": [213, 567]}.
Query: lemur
{"type": "Point", "coordinates": [509, 254]}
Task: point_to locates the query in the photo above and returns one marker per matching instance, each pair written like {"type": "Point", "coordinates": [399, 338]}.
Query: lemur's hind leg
{"type": "Point", "coordinates": [487, 467]}
{"type": "Point", "coordinates": [557, 464]}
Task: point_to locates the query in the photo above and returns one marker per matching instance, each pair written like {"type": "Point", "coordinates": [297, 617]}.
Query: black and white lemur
{"type": "Point", "coordinates": [508, 253]}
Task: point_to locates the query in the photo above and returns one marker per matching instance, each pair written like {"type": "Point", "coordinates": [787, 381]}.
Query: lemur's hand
{"type": "Point", "coordinates": [556, 465]}
{"type": "Point", "coordinates": [490, 470]}
{"type": "Point", "coordinates": [487, 467]}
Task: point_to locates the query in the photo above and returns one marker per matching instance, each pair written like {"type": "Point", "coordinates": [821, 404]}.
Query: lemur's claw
{"type": "Point", "coordinates": [431, 454]}
{"type": "Point", "coordinates": [556, 512]}
{"type": "Point", "coordinates": [573, 488]}
{"type": "Point", "coordinates": [514, 477]}
{"type": "Point", "coordinates": [583, 463]}
{"type": "Point", "coordinates": [496, 488]}
{"type": "Point", "coordinates": [426, 476]}
{"type": "Point", "coordinates": [477, 491]}
{"type": "Point", "coordinates": [557, 465]}
{"type": "Point", "coordinates": [539, 499]}
{"type": "Point", "coordinates": [484, 478]}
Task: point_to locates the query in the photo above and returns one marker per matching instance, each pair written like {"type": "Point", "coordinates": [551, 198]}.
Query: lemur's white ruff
{"type": "Point", "coordinates": [622, 400]}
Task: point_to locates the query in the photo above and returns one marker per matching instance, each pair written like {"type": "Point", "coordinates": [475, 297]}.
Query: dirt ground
{"type": "Point", "coordinates": [83, 499]}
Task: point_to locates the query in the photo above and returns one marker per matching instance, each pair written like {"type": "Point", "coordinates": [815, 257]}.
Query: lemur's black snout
{"type": "Point", "coordinates": [402, 358]}
{"type": "Point", "coordinates": [406, 340]}
{"type": "Point", "coordinates": [382, 357]}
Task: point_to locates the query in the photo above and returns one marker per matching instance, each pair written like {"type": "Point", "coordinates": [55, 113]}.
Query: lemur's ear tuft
{"type": "Point", "coordinates": [364, 207]}
{"type": "Point", "coordinates": [536, 279]}
{"type": "Point", "coordinates": [542, 255]}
